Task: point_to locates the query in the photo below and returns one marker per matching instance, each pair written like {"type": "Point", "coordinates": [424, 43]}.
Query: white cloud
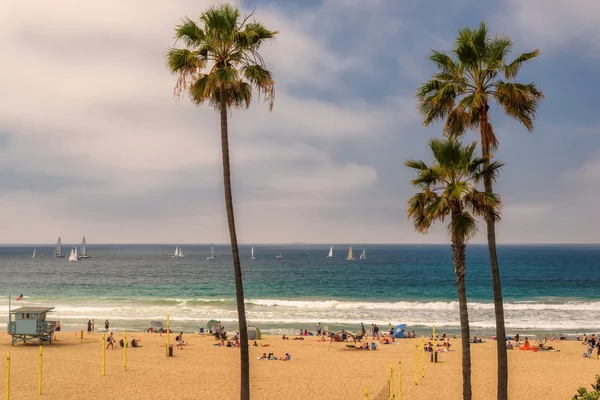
{"type": "Point", "coordinates": [553, 23]}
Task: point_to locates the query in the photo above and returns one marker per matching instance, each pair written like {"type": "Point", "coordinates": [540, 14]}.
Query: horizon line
{"type": "Point", "coordinates": [52, 244]}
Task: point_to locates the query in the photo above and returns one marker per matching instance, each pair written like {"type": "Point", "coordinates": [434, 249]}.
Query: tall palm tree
{"type": "Point", "coordinates": [448, 189]}
{"type": "Point", "coordinates": [460, 94]}
{"type": "Point", "coordinates": [221, 65]}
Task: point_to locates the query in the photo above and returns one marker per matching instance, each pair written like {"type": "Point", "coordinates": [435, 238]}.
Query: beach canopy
{"type": "Point", "coordinates": [212, 324]}
{"type": "Point", "coordinates": [254, 333]}
{"type": "Point", "coordinates": [340, 336]}
{"type": "Point", "coordinates": [399, 331]}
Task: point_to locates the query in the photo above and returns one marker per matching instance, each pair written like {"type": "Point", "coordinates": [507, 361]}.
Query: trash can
{"type": "Point", "coordinates": [171, 351]}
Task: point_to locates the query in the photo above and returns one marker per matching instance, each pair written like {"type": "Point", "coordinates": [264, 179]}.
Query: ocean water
{"type": "Point", "coordinates": [547, 289]}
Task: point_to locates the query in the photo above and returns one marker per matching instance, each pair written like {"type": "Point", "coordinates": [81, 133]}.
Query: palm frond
{"type": "Point", "coordinates": [511, 70]}
{"type": "Point", "coordinates": [520, 101]}
{"type": "Point", "coordinates": [189, 33]}
{"type": "Point", "coordinates": [463, 225]}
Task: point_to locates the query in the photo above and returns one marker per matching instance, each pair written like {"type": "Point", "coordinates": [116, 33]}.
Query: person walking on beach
{"type": "Point", "coordinates": [93, 322]}
{"type": "Point", "coordinates": [111, 341]}
{"type": "Point", "coordinates": [363, 332]}
{"type": "Point", "coordinates": [89, 326]}
{"type": "Point", "coordinates": [318, 329]}
{"type": "Point", "coordinates": [106, 325]}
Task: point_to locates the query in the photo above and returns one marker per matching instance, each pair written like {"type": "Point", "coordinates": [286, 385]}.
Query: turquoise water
{"type": "Point", "coordinates": [546, 288]}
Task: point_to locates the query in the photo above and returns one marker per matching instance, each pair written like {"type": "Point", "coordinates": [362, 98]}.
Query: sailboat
{"type": "Point", "coordinates": [212, 252]}
{"type": "Point", "coordinates": [252, 253]}
{"type": "Point", "coordinates": [363, 255]}
{"type": "Point", "coordinates": [330, 252]}
{"type": "Point", "coordinates": [34, 253]}
{"type": "Point", "coordinates": [84, 252]}
{"type": "Point", "coordinates": [73, 256]}
{"type": "Point", "coordinates": [180, 253]}
{"type": "Point", "coordinates": [176, 254]}
{"type": "Point", "coordinates": [280, 256]}
{"type": "Point", "coordinates": [58, 250]}
{"type": "Point", "coordinates": [350, 257]}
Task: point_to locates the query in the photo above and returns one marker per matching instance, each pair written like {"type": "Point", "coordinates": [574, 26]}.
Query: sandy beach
{"type": "Point", "coordinates": [72, 370]}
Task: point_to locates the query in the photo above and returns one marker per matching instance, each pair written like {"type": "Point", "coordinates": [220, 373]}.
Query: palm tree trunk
{"type": "Point", "coordinates": [502, 390]}
{"type": "Point", "coordinates": [459, 258]}
{"type": "Point", "coordinates": [237, 268]}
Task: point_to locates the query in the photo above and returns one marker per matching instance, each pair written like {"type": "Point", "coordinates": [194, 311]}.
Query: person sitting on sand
{"type": "Point", "coordinates": [150, 330]}
{"type": "Point", "coordinates": [284, 337]}
{"type": "Point", "coordinates": [509, 345]}
{"type": "Point", "coordinates": [255, 344]}
{"type": "Point", "coordinates": [134, 343]}
{"type": "Point", "coordinates": [527, 342]}
{"type": "Point", "coordinates": [122, 343]}
{"type": "Point", "coordinates": [287, 357]}
{"type": "Point", "coordinates": [263, 357]}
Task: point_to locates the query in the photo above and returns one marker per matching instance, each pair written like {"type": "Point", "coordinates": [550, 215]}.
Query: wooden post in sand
{"type": "Point", "coordinates": [125, 351]}
{"type": "Point", "coordinates": [8, 376]}
{"type": "Point", "coordinates": [416, 362]}
{"type": "Point", "coordinates": [40, 380]}
{"type": "Point", "coordinates": [391, 394]}
{"type": "Point", "coordinates": [422, 356]}
{"type": "Point", "coordinates": [399, 379]}
{"type": "Point", "coordinates": [366, 393]}
{"type": "Point", "coordinates": [168, 341]}
{"type": "Point", "coordinates": [103, 353]}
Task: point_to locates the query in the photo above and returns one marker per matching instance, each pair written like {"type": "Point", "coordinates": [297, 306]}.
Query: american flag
{"type": "Point", "coordinates": [20, 297]}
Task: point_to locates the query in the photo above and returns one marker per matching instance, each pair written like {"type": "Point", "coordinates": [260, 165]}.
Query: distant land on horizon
{"type": "Point", "coordinates": [92, 244]}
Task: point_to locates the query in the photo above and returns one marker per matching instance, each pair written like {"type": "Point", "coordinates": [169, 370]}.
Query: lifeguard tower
{"type": "Point", "coordinates": [28, 324]}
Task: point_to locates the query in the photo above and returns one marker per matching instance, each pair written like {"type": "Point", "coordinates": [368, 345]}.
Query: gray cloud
{"type": "Point", "coordinates": [93, 143]}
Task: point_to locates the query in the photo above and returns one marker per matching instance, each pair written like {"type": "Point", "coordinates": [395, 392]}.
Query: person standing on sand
{"type": "Point", "coordinates": [363, 332]}
{"type": "Point", "coordinates": [106, 325]}
{"type": "Point", "coordinates": [57, 328]}
{"type": "Point", "coordinates": [89, 326]}
{"type": "Point", "coordinates": [111, 341]}
{"type": "Point", "coordinates": [318, 329]}
{"type": "Point", "coordinates": [93, 322]}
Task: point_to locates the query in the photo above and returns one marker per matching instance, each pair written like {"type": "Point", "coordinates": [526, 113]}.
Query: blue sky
{"type": "Point", "coordinates": [92, 142]}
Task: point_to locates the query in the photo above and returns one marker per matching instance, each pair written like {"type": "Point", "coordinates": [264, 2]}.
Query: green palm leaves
{"type": "Point", "coordinates": [448, 188]}
{"type": "Point", "coordinates": [221, 54]}
{"type": "Point", "coordinates": [460, 91]}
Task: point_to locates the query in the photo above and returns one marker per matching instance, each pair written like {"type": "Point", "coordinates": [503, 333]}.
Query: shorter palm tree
{"type": "Point", "coordinates": [449, 189]}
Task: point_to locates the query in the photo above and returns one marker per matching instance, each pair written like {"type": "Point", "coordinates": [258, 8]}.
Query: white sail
{"type": "Point", "coordinates": [180, 254]}
{"type": "Point", "coordinates": [73, 256]}
{"type": "Point", "coordinates": [34, 253]}
{"type": "Point", "coordinates": [84, 252]}
{"type": "Point", "coordinates": [58, 250]}
{"type": "Point", "coordinates": [252, 253]}
{"type": "Point", "coordinates": [176, 254]}
{"type": "Point", "coordinates": [330, 252]}
{"type": "Point", "coordinates": [363, 255]}
{"type": "Point", "coordinates": [280, 254]}
{"type": "Point", "coordinates": [212, 252]}
{"type": "Point", "coordinates": [350, 257]}
{"type": "Point", "coordinates": [77, 253]}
